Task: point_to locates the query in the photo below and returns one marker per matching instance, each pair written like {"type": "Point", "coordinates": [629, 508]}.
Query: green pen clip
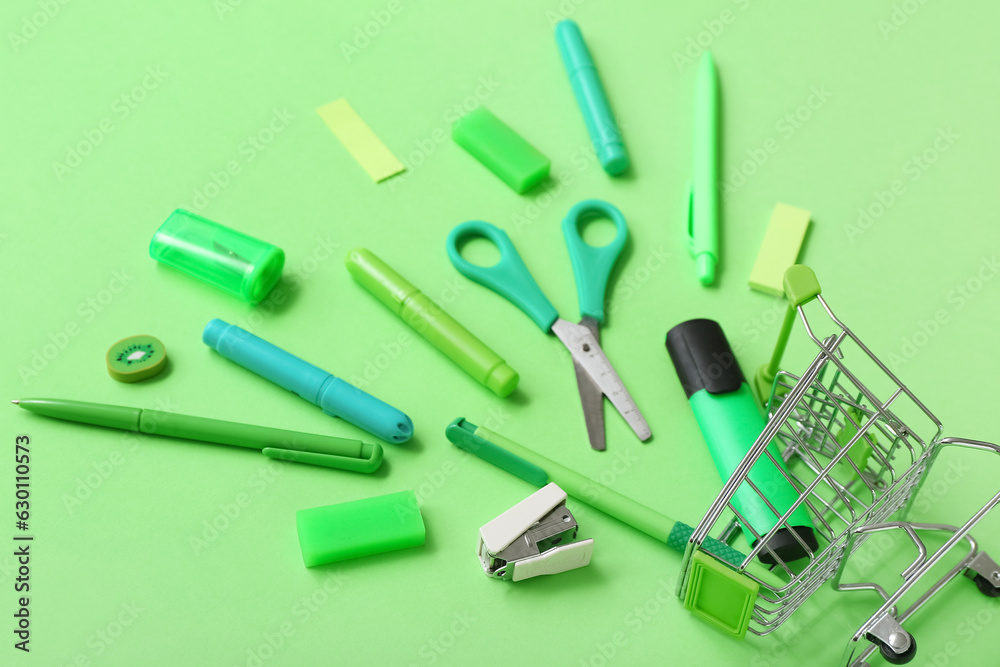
{"type": "Point", "coordinates": [371, 458]}
{"type": "Point", "coordinates": [463, 434]}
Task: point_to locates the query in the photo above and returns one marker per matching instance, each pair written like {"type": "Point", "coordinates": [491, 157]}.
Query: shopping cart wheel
{"type": "Point", "coordinates": [986, 587]}
{"type": "Point", "coordinates": [890, 655]}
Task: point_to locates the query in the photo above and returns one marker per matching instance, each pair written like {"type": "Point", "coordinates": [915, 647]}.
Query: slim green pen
{"type": "Point", "coordinates": [274, 443]}
{"type": "Point", "coordinates": [703, 199]}
{"type": "Point", "coordinates": [431, 322]}
{"type": "Point", "coordinates": [538, 470]}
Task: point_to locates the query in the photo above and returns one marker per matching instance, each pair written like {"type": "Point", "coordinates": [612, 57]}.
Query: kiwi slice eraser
{"type": "Point", "coordinates": [136, 358]}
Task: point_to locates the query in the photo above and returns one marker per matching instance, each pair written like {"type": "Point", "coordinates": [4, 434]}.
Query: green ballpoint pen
{"type": "Point", "coordinates": [703, 199]}
{"type": "Point", "coordinates": [538, 470]}
{"type": "Point", "coordinates": [274, 443]}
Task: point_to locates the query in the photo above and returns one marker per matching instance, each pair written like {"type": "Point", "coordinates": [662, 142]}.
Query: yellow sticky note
{"type": "Point", "coordinates": [780, 248]}
{"type": "Point", "coordinates": [363, 144]}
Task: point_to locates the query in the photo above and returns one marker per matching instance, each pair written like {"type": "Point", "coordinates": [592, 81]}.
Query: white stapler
{"type": "Point", "coordinates": [532, 538]}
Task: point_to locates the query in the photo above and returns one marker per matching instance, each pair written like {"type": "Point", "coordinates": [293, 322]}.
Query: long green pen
{"type": "Point", "coordinates": [538, 470]}
{"type": "Point", "coordinates": [703, 202]}
{"type": "Point", "coordinates": [274, 443]}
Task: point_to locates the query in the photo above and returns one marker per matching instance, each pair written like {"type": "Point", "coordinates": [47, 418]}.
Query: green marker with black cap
{"type": "Point", "coordinates": [731, 421]}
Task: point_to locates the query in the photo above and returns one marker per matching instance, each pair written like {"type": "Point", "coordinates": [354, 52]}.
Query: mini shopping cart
{"type": "Point", "coordinates": [856, 444]}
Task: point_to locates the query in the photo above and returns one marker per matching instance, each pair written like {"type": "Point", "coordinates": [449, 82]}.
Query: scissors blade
{"type": "Point", "coordinates": [591, 396]}
{"type": "Point", "coordinates": [583, 346]}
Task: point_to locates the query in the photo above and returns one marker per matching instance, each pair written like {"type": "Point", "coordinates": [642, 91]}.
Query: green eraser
{"type": "Point", "coordinates": [502, 150]}
{"type": "Point", "coordinates": [359, 528]}
{"type": "Point", "coordinates": [780, 248]}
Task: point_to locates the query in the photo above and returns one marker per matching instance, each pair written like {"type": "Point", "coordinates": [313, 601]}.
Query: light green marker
{"type": "Point", "coordinates": [426, 318]}
{"type": "Point", "coordinates": [703, 198]}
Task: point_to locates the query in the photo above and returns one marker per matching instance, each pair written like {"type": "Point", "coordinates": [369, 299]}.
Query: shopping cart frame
{"type": "Point", "coordinates": [836, 428]}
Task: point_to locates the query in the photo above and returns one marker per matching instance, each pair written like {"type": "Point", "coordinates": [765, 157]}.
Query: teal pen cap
{"type": "Point", "coordinates": [703, 197]}
{"type": "Point", "coordinates": [593, 101]}
{"type": "Point", "coordinates": [336, 397]}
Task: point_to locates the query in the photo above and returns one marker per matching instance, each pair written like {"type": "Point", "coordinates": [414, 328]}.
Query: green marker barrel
{"type": "Point", "coordinates": [731, 421]}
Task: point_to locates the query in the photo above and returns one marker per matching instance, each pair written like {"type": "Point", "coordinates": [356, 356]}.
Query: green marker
{"type": "Point", "coordinates": [428, 320]}
{"type": "Point", "coordinates": [539, 471]}
{"type": "Point", "coordinates": [731, 422]}
{"type": "Point", "coordinates": [274, 443]}
{"type": "Point", "coordinates": [703, 200]}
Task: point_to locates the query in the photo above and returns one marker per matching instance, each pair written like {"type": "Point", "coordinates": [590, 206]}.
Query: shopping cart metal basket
{"type": "Point", "coordinates": [857, 445]}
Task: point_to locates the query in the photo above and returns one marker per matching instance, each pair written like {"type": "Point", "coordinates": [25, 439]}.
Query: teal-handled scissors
{"type": "Point", "coordinates": [592, 266]}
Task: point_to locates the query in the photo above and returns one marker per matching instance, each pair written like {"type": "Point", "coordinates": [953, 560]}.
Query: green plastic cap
{"type": "Point", "coordinates": [801, 285]}
{"type": "Point", "coordinates": [502, 380]}
{"type": "Point", "coordinates": [359, 528]}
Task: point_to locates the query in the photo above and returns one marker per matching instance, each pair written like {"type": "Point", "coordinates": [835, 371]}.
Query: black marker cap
{"type": "Point", "coordinates": [702, 358]}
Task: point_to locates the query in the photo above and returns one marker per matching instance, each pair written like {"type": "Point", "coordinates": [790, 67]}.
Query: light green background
{"type": "Point", "coordinates": [121, 548]}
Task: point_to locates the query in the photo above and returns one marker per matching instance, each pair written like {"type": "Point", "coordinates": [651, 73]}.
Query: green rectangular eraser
{"type": "Point", "coordinates": [502, 150]}
{"type": "Point", "coordinates": [359, 528]}
{"type": "Point", "coordinates": [780, 248]}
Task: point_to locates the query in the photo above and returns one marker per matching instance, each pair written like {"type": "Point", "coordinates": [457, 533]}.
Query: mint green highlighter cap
{"type": "Point", "coordinates": [234, 262]}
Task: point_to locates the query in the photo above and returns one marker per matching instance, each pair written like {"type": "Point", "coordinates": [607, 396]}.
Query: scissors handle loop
{"type": "Point", "coordinates": [509, 277]}
{"type": "Point", "coordinates": [592, 265]}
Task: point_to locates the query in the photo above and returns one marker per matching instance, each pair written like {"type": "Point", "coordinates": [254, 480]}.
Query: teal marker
{"type": "Point", "coordinates": [703, 199]}
{"type": "Point", "coordinates": [731, 422]}
{"type": "Point", "coordinates": [593, 101]}
{"type": "Point", "coordinates": [336, 397]}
